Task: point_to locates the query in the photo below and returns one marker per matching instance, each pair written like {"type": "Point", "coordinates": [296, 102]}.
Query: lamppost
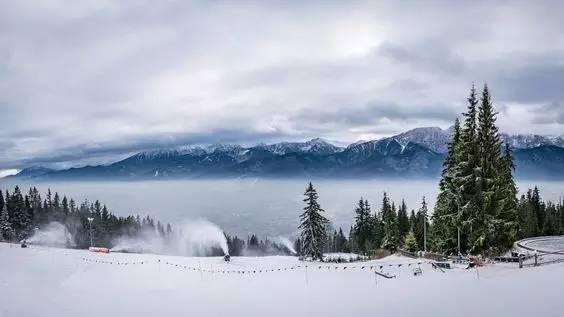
{"type": "Point", "coordinates": [425, 231]}
{"type": "Point", "coordinates": [90, 219]}
{"type": "Point", "coordinates": [458, 226]}
{"type": "Point", "coordinates": [459, 195]}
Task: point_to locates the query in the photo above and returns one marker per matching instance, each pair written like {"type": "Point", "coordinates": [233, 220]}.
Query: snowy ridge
{"type": "Point", "coordinates": [527, 141]}
{"type": "Point", "coordinates": [434, 138]}
{"type": "Point", "coordinates": [196, 150]}
{"type": "Point", "coordinates": [317, 146]}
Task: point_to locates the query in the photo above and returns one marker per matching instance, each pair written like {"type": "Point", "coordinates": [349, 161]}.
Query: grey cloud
{"type": "Point", "coordinates": [425, 56]}
{"type": "Point", "coordinates": [374, 111]}
{"type": "Point", "coordinates": [85, 79]}
{"type": "Point", "coordinates": [69, 156]}
{"type": "Point", "coordinates": [551, 113]}
{"type": "Point", "coordinates": [533, 83]}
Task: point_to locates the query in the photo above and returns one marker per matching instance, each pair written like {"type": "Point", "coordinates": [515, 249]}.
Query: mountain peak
{"type": "Point", "coordinates": [434, 138]}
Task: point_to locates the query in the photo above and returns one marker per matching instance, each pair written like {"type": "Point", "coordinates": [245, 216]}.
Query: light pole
{"type": "Point", "coordinates": [457, 224]}
{"type": "Point", "coordinates": [458, 220]}
{"type": "Point", "coordinates": [90, 219]}
{"type": "Point", "coordinates": [425, 231]}
{"type": "Point", "coordinates": [424, 208]}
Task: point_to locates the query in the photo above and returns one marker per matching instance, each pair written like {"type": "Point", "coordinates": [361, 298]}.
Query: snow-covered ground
{"type": "Point", "coordinates": [40, 281]}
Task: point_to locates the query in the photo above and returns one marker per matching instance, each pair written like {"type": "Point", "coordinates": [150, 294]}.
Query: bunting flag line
{"type": "Point", "coordinates": [251, 271]}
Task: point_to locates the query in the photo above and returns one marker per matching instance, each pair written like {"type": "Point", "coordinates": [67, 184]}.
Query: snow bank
{"type": "Point", "coordinates": [343, 257]}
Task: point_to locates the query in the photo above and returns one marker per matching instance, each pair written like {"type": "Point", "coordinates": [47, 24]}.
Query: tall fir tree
{"type": "Point", "coordinates": [421, 225]}
{"type": "Point", "coordinates": [312, 225]}
{"type": "Point", "coordinates": [19, 214]}
{"type": "Point", "coordinates": [447, 206]}
{"type": "Point", "coordinates": [362, 227]}
{"type": "Point", "coordinates": [486, 225]}
{"type": "Point", "coordinates": [1, 200]}
{"type": "Point", "coordinates": [341, 242]}
{"type": "Point", "coordinates": [391, 239]}
{"type": "Point", "coordinates": [477, 194]}
{"type": "Point", "coordinates": [465, 179]}
{"type": "Point", "coordinates": [508, 211]}
{"type": "Point", "coordinates": [538, 209]}
{"type": "Point", "coordinates": [403, 221]}
{"type": "Point", "coordinates": [7, 233]}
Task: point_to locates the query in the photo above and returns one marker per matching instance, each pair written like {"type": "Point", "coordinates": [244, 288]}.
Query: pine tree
{"type": "Point", "coordinates": [486, 225]}
{"type": "Point", "coordinates": [446, 209]}
{"type": "Point", "coordinates": [412, 220]}
{"type": "Point", "coordinates": [536, 204]}
{"type": "Point", "coordinates": [377, 227]}
{"type": "Point", "coordinates": [312, 225]}
{"type": "Point", "coordinates": [391, 230]}
{"type": "Point", "coordinates": [353, 245]}
{"type": "Point", "coordinates": [508, 211]}
{"type": "Point", "coordinates": [410, 243]}
{"type": "Point", "coordinates": [403, 221]}
{"type": "Point", "coordinates": [362, 226]}
{"type": "Point", "coordinates": [19, 216]}
{"type": "Point", "coordinates": [1, 200]}
{"type": "Point", "coordinates": [341, 242]}
{"type": "Point", "coordinates": [329, 243]}
{"type": "Point", "coordinates": [465, 178]}
{"type": "Point", "coordinates": [527, 217]}
{"type": "Point", "coordinates": [65, 206]}
{"type": "Point", "coordinates": [421, 225]}
{"type": "Point", "coordinates": [6, 231]}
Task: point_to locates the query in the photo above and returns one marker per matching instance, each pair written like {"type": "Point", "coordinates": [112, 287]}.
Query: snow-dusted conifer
{"type": "Point", "coordinates": [313, 225]}
{"type": "Point", "coordinates": [6, 231]}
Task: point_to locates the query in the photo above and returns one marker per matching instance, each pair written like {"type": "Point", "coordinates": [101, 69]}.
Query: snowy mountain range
{"type": "Point", "coordinates": [437, 139]}
{"type": "Point", "coordinates": [415, 153]}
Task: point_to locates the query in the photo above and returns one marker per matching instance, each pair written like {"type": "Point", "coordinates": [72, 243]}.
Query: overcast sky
{"type": "Point", "coordinates": [90, 81]}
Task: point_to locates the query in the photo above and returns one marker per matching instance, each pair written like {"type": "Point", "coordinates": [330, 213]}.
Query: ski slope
{"type": "Point", "coordinates": [40, 281]}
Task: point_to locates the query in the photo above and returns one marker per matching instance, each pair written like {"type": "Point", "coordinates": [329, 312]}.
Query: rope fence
{"type": "Point", "coordinates": [259, 270]}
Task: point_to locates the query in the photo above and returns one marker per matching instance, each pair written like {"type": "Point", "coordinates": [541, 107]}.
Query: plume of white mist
{"type": "Point", "coordinates": [54, 234]}
{"type": "Point", "coordinates": [146, 241]}
{"type": "Point", "coordinates": [287, 243]}
{"type": "Point", "coordinates": [198, 237]}
{"type": "Point", "coordinates": [190, 238]}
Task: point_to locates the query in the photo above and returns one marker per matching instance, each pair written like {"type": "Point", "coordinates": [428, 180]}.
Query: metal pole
{"type": "Point", "coordinates": [425, 232]}
{"type": "Point", "coordinates": [458, 225]}
{"type": "Point", "coordinates": [424, 228]}
{"type": "Point", "coordinates": [458, 228]}
{"type": "Point", "coordinates": [91, 239]}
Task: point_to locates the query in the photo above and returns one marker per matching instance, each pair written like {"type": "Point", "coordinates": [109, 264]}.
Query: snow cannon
{"type": "Point", "coordinates": [99, 250]}
{"type": "Point", "coordinates": [227, 258]}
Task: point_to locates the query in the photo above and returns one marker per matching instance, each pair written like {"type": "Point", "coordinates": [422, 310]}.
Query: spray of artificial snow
{"type": "Point", "coordinates": [191, 238]}
{"type": "Point", "coordinates": [287, 243]}
{"type": "Point", "coordinates": [197, 237]}
{"type": "Point", "coordinates": [53, 234]}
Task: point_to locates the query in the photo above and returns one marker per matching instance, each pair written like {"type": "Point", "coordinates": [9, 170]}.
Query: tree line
{"type": "Point", "coordinates": [22, 214]}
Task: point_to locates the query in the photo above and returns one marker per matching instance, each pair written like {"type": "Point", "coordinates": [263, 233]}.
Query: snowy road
{"type": "Point", "coordinates": [549, 244]}
{"type": "Point", "coordinates": [56, 282]}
